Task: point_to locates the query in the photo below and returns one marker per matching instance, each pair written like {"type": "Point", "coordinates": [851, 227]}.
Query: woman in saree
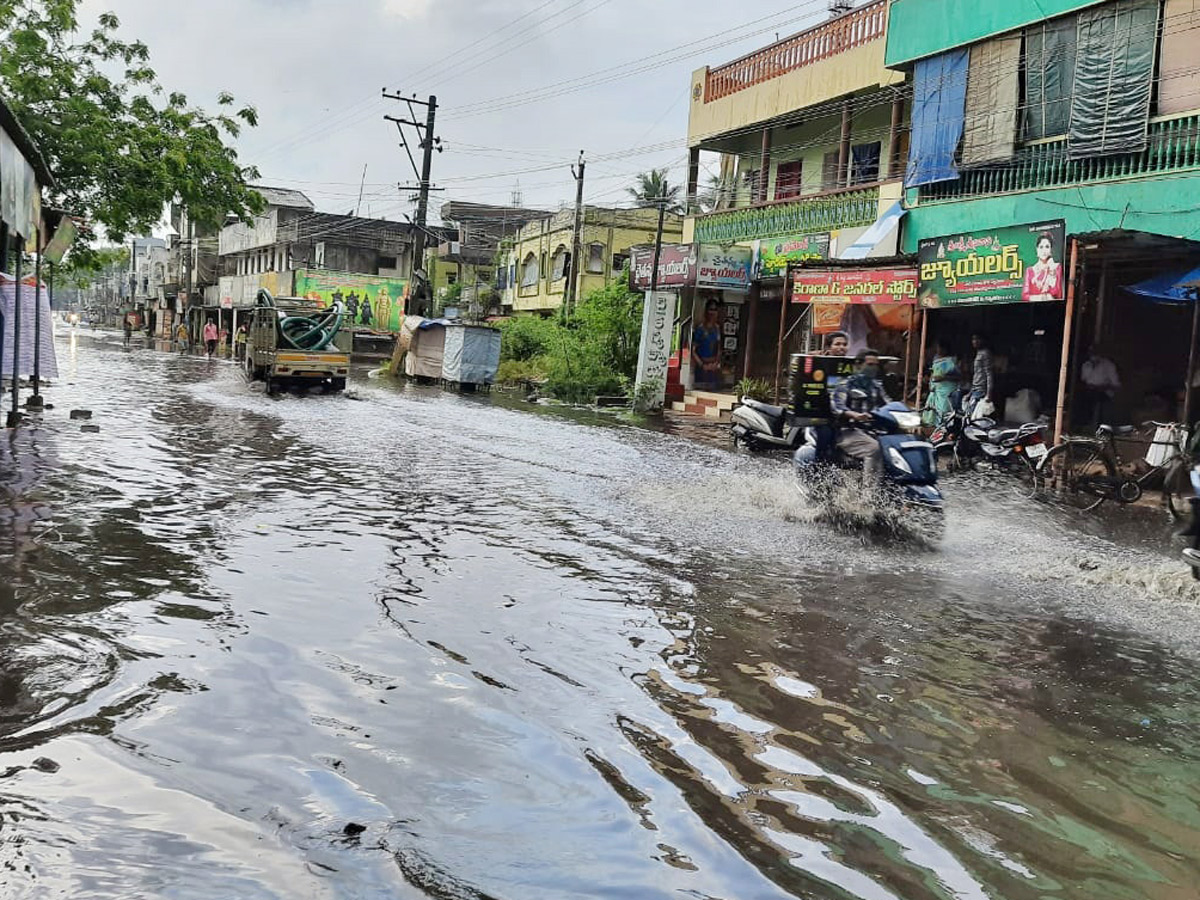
{"type": "Point", "coordinates": [943, 383]}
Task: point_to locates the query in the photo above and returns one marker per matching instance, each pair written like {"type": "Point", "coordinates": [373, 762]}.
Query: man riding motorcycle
{"type": "Point", "coordinates": [852, 401]}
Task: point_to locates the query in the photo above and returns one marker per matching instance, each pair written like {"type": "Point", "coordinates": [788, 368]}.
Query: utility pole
{"type": "Point", "coordinates": [662, 213]}
{"type": "Point", "coordinates": [571, 299]}
{"type": "Point", "coordinates": [428, 143]}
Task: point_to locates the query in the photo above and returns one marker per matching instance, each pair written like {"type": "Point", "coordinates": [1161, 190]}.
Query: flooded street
{"type": "Point", "coordinates": [540, 656]}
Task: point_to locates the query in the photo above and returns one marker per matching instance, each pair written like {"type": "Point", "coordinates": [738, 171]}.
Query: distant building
{"type": "Point", "coordinates": [538, 262]}
{"type": "Point", "coordinates": [474, 250]}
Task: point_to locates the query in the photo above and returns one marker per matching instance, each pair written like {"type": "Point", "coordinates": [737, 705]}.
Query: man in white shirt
{"type": "Point", "coordinates": [1101, 381]}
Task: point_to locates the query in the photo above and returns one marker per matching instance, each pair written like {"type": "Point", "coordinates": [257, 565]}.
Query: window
{"type": "Point", "coordinates": [595, 263]}
{"type": "Point", "coordinates": [542, 265]}
{"type": "Point", "coordinates": [1049, 81]}
{"type": "Point", "coordinates": [620, 261]}
{"type": "Point", "coordinates": [561, 261]}
{"type": "Point", "coordinates": [864, 163]}
{"type": "Point", "coordinates": [385, 262]}
{"type": "Point", "coordinates": [788, 179]}
{"type": "Point", "coordinates": [529, 271]}
{"type": "Point", "coordinates": [829, 171]}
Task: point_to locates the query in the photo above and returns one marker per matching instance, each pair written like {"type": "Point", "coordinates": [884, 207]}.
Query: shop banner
{"type": "Point", "coordinates": [654, 352]}
{"type": "Point", "coordinates": [1021, 263]}
{"type": "Point", "coordinates": [372, 301]}
{"type": "Point", "coordinates": [676, 266]}
{"type": "Point", "coordinates": [854, 286]}
{"type": "Point", "coordinates": [772, 255]}
{"type": "Point", "coordinates": [724, 268]}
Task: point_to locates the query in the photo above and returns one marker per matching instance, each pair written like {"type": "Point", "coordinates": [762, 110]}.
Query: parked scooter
{"type": "Point", "coordinates": [761, 426]}
{"type": "Point", "coordinates": [909, 466]}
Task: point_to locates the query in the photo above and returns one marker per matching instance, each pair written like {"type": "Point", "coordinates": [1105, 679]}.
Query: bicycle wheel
{"type": "Point", "coordinates": [1078, 474]}
{"type": "Point", "coordinates": [1176, 478]}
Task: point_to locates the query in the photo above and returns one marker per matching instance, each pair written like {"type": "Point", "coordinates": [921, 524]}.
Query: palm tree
{"type": "Point", "coordinates": [715, 195]}
{"type": "Point", "coordinates": [652, 188]}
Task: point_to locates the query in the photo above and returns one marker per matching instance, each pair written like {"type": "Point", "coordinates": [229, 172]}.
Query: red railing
{"type": "Point", "coordinates": [853, 29]}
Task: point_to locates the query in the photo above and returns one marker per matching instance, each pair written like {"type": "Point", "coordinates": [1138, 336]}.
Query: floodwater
{"type": "Point", "coordinates": [536, 655]}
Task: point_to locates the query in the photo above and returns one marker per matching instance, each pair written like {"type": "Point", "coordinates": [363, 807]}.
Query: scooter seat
{"type": "Point", "coordinates": [775, 412]}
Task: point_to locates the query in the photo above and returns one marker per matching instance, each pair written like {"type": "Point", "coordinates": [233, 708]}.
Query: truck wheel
{"type": "Point", "coordinates": [272, 386]}
{"type": "Point", "coordinates": [251, 371]}
{"type": "Point", "coordinates": [337, 384]}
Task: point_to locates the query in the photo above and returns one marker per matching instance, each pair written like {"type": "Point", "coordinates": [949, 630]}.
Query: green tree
{"type": "Point", "coordinates": [652, 188]}
{"type": "Point", "coordinates": [119, 145]}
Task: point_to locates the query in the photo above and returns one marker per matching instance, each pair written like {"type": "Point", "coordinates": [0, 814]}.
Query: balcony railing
{"type": "Point", "coordinates": [853, 29]}
{"type": "Point", "coordinates": [822, 212]}
{"type": "Point", "coordinates": [1174, 145]}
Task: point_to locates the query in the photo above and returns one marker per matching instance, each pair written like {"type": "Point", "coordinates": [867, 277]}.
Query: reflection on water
{"type": "Point", "coordinates": [537, 655]}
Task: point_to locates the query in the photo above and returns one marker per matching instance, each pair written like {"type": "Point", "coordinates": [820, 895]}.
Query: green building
{"type": "Point", "coordinates": [1075, 120]}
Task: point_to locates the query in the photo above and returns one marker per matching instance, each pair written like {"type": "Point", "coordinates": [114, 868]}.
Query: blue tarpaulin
{"type": "Point", "coordinates": [938, 114]}
{"type": "Point", "coordinates": [1178, 288]}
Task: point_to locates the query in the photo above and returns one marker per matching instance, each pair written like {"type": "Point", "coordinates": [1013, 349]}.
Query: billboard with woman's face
{"type": "Point", "coordinates": [1016, 264]}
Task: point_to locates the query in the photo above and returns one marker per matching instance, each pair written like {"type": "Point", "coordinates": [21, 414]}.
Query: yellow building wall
{"type": "Point", "coordinates": [617, 230]}
{"type": "Point", "coordinates": [858, 69]}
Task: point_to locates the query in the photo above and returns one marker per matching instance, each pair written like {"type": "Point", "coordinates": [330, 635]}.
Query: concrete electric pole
{"type": "Point", "coordinates": [571, 299]}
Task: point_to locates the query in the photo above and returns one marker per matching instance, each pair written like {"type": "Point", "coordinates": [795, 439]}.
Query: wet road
{"type": "Point", "coordinates": [539, 656]}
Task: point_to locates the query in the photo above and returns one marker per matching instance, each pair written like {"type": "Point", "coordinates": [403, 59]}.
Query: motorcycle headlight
{"type": "Point", "coordinates": [897, 459]}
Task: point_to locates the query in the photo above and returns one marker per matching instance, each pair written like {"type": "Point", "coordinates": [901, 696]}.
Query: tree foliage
{"type": "Point", "coordinates": [652, 188]}
{"type": "Point", "coordinates": [120, 146]}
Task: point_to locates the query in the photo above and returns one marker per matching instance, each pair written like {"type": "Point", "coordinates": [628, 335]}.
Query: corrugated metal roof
{"type": "Point", "coordinates": [285, 197]}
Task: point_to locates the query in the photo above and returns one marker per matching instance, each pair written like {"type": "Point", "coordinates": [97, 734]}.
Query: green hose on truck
{"type": "Point", "coordinates": [291, 344]}
{"type": "Point", "coordinates": [305, 332]}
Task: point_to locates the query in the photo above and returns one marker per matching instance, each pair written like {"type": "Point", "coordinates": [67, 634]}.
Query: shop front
{"type": "Point", "coordinates": [1008, 290]}
{"type": "Point", "coordinates": [871, 305]}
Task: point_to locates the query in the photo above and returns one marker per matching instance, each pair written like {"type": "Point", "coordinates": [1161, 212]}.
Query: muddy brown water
{"type": "Point", "coordinates": [545, 655]}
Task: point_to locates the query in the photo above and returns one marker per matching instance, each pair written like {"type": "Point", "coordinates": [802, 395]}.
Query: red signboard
{"type": "Point", "coordinates": [889, 286]}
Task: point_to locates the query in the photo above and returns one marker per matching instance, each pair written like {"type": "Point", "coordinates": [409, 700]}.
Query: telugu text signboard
{"type": "Point", "coordinates": [772, 255]}
{"type": "Point", "coordinates": [854, 286]}
{"type": "Point", "coordinates": [724, 268]}
{"type": "Point", "coordinates": [654, 352]}
{"type": "Point", "coordinates": [676, 266]}
{"type": "Point", "coordinates": [1020, 263]}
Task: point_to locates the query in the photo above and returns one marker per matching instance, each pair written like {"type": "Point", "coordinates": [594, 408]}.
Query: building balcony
{"type": "Point", "coordinates": [832, 210]}
{"type": "Point", "coordinates": [834, 59]}
{"type": "Point", "coordinates": [1174, 146]}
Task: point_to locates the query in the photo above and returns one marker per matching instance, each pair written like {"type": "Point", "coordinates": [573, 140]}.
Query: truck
{"type": "Point", "coordinates": [293, 342]}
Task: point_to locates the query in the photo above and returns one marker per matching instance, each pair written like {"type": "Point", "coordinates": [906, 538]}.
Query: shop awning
{"type": "Point", "coordinates": [874, 236]}
{"type": "Point", "coordinates": [1179, 288]}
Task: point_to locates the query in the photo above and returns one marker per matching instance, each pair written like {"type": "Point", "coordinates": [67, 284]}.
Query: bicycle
{"type": "Point", "coordinates": [1084, 472]}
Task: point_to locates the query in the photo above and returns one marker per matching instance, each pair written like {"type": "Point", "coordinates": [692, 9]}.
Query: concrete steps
{"type": "Point", "coordinates": [708, 404]}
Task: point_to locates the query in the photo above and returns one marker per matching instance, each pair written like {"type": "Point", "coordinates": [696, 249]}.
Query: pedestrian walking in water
{"type": "Point", "coordinates": [210, 337]}
{"type": "Point", "coordinates": [181, 337]}
{"type": "Point", "coordinates": [239, 342]}
{"type": "Point", "coordinates": [128, 330]}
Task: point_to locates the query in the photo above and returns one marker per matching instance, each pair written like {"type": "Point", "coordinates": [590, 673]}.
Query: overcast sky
{"type": "Point", "coordinates": [314, 70]}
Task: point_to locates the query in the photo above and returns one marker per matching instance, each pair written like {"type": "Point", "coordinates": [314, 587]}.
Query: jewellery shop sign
{"type": "Point", "coordinates": [1016, 264]}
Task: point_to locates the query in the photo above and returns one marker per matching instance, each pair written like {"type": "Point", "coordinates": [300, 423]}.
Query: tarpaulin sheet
{"type": "Point", "coordinates": [993, 94]}
{"type": "Point", "coordinates": [19, 192]}
{"type": "Point", "coordinates": [873, 236]}
{"type": "Point", "coordinates": [939, 97]}
{"type": "Point", "coordinates": [1178, 288]}
{"type": "Point", "coordinates": [472, 354]}
{"type": "Point", "coordinates": [49, 361]}
{"type": "Point", "coordinates": [424, 358]}
{"type": "Point", "coordinates": [1114, 75]}
{"type": "Point", "coordinates": [1179, 69]}
{"type": "Point", "coordinates": [1049, 77]}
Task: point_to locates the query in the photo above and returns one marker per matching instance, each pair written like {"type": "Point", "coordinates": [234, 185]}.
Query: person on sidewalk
{"type": "Point", "coordinates": [1101, 381]}
{"type": "Point", "coordinates": [983, 379]}
{"type": "Point", "coordinates": [210, 337]}
{"type": "Point", "coordinates": [239, 342]}
{"type": "Point", "coordinates": [706, 349]}
{"type": "Point", "coordinates": [128, 330]}
{"type": "Point", "coordinates": [852, 402]}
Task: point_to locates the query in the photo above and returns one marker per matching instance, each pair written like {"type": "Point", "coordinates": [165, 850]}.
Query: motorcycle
{"type": "Point", "coordinates": [910, 472]}
{"type": "Point", "coordinates": [964, 442]}
{"type": "Point", "coordinates": [761, 426]}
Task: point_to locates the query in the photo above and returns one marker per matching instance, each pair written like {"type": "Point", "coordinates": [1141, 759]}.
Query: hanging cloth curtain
{"type": "Point", "coordinates": [993, 93]}
{"type": "Point", "coordinates": [1049, 77]}
{"type": "Point", "coordinates": [1179, 71]}
{"type": "Point", "coordinates": [939, 97]}
{"type": "Point", "coordinates": [1114, 75]}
